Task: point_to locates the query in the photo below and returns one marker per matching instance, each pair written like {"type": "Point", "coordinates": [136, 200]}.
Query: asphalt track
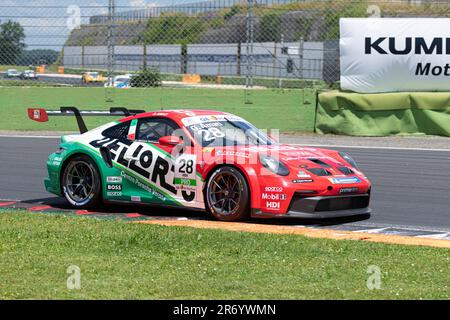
{"type": "Point", "coordinates": [411, 188]}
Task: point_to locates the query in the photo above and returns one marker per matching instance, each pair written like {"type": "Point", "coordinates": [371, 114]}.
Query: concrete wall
{"type": "Point", "coordinates": [299, 61]}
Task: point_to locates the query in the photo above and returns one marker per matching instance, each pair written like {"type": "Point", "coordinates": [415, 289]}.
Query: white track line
{"type": "Point", "coordinates": [434, 236]}
{"type": "Point", "coordinates": [378, 230]}
{"type": "Point", "coordinates": [294, 144]}
{"type": "Point", "coordinates": [29, 137]}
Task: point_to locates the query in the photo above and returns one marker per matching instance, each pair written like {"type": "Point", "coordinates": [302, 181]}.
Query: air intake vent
{"type": "Point", "coordinates": [319, 172]}
{"type": "Point", "coordinates": [320, 163]}
{"type": "Point", "coordinates": [345, 170]}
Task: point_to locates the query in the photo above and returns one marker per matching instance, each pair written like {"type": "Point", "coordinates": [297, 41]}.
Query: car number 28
{"type": "Point", "coordinates": [211, 134]}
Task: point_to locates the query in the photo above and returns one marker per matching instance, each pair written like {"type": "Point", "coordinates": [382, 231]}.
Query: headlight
{"type": "Point", "coordinates": [274, 165]}
{"type": "Point", "coordinates": [349, 159]}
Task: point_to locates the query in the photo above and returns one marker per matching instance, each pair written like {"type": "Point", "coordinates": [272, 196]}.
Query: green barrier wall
{"type": "Point", "coordinates": [384, 113]}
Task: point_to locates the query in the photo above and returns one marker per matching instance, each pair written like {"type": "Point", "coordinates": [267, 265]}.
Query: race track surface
{"type": "Point", "coordinates": [410, 187]}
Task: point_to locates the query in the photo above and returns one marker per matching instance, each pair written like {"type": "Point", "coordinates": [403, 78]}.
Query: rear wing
{"type": "Point", "coordinates": [41, 115]}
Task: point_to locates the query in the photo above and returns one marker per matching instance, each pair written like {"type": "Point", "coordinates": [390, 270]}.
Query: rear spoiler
{"type": "Point", "coordinates": [41, 115]}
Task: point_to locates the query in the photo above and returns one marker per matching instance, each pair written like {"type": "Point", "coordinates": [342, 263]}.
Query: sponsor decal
{"type": "Point", "coordinates": [228, 153]}
{"type": "Point", "coordinates": [145, 187]}
{"type": "Point", "coordinates": [345, 180]}
{"type": "Point", "coordinates": [117, 187]}
{"type": "Point", "coordinates": [185, 168]}
{"type": "Point", "coordinates": [149, 164]}
{"type": "Point", "coordinates": [212, 118]}
{"type": "Point", "coordinates": [135, 198]}
{"type": "Point", "coordinates": [303, 174]}
{"type": "Point", "coordinates": [114, 194]}
{"type": "Point", "coordinates": [302, 181]}
{"type": "Point", "coordinates": [395, 54]}
{"type": "Point", "coordinates": [273, 196]}
{"type": "Point", "coordinates": [348, 190]}
{"type": "Point", "coordinates": [273, 189]}
{"type": "Point", "coordinates": [208, 150]}
{"type": "Point", "coordinates": [56, 161]}
{"type": "Point", "coordinates": [114, 179]}
{"type": "Point", "coordinates": [36, 114]}
{"type": "Point", "coordinates": [272, 205]}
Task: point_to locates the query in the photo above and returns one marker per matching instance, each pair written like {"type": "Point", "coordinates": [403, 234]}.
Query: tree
{"type": "Point", "coordinates": [37, 57]}
{"type": "Point", "coordinates": [270, 29]}
{"type": "Point", "coordinates": [12, 36]}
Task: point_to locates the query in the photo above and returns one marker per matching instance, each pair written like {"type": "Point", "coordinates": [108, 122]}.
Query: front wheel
{"type": "Point", "coordinates": [227, 195]}
{"type": "Point", "coordinates": [81, 182]}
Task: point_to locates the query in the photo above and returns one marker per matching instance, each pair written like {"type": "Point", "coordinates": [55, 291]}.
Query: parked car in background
{"type": "Point", "coordinates": [92, 77]}
{"type": "Point", "coordinates": [12, 73]}
{"type": "Point", "coordinates": [29, 75]}
{"type": "Point", "coordinates": [121, 81]}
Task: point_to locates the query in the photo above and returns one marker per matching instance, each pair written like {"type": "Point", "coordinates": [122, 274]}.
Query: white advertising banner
{"type": "Point", "coordinates": [395, 54]}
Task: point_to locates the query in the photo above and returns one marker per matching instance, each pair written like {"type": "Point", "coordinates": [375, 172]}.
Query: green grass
{"type": "Point", "coordinates": [279, 109]}
{"type": "Point", "coordinates": [52, 68]}
{"type": "Point", "coordinates": [136, 261]}
{"type": "Point", "coordinates": [4, 67]}
{"type": "Point", "coordinates": [28, 83]}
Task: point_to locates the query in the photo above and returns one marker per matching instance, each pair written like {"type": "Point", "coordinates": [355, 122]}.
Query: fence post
{"type": "Point", "coordinates": [249, 44]}
{"type": "Point", "coordinates": [110, 41]}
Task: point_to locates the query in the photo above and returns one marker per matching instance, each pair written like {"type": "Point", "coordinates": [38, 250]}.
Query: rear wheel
{"type": "Point", "coordinates": [227, 195]}
{"type": "Point", "coordinates": [81, 182]}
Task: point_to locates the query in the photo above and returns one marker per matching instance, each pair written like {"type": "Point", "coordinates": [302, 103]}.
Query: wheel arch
{"type": "Point", "coordinates": [74, 155]}
{"type": "Point", "coordinates": [252, 184]}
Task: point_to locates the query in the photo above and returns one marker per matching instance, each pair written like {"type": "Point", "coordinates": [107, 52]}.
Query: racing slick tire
{"type": "Point", "coordinates": [227, 195]}
{"type": "Point", "coordinates": [81, 184]}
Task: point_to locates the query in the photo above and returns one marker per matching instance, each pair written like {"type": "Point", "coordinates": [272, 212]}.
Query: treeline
{"type": "Point", "coordinates": [312, 21]}
{"type": "Point", "coordinates": [12, 48]}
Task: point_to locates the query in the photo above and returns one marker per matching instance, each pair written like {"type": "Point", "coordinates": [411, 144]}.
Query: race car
{"type": "Point", "coordinates": [12, 73]}
{"type": "Point", "coordinates": [122, 82]}
{"type": "Point", "coordinates": [92, 77]}
{"type": "Point", "coordinates": [28, 75]}
{"type": "Point", "coordinates": [203, 160]}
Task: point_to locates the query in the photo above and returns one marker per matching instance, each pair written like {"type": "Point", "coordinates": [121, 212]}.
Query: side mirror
{"type": "Point", "coordinates": [106, 156]}
{"type": "Point", "coordinates": [170, 141]}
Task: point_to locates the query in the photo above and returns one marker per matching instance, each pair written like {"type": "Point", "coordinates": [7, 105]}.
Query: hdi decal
{"type": "Point", "coordinates": [146, 162]}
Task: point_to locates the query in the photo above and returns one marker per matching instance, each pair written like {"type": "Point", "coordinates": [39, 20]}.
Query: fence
{"type": "Point", "coordinates": [244, 42]}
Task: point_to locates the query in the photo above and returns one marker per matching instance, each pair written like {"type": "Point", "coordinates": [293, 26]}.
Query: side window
{"type": "Point", "coordinates": [119, 131]}
{"type": "Point", "coordinates": [151, 129]}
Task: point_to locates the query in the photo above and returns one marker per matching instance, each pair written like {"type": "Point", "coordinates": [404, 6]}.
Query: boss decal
{"type": "Point", "coordinates": [117, 187]}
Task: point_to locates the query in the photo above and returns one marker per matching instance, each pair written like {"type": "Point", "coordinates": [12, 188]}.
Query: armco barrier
{"type": "Point", "coordinates": [383, 114]}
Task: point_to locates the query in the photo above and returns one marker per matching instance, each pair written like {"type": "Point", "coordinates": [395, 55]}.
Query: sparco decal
{"type": "Point", "coordinates": [145, 162]}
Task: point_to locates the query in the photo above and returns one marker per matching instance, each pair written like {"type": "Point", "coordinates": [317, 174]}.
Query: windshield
{"type": "Point", "coordinates": [227, 131]}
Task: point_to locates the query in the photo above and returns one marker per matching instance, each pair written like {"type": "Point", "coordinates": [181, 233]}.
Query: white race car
{"type": "Point", "coordinates": [121, 81]}
{"type": "Point", "coordinates": [13, 73]}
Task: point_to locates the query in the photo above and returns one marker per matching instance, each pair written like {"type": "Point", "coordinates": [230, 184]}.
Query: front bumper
{"type": "Point", "coordinates": [323, 207]}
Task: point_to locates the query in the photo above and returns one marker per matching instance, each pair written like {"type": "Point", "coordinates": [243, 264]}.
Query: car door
{"type": "Point", "coordinates": [162, 170]}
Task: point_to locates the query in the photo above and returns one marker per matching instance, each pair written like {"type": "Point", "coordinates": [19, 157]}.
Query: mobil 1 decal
{"type": "Point", "coordinates": [155, 167]}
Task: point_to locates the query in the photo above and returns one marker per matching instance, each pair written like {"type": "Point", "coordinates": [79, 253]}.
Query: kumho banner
{"type": "Point", "coordinates": [395, 54]}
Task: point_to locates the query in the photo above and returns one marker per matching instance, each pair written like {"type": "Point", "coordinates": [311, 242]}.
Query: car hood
{"type": "Point", "coordinates": [317, 161]}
